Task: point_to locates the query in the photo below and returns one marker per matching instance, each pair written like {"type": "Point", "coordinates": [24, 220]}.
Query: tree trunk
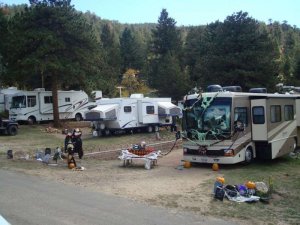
{"type": "Point", "coordinates": [56, 122]}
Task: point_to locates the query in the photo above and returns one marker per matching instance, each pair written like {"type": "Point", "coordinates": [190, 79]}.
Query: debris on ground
{"type": "Point", "coordinates": [248, 192]}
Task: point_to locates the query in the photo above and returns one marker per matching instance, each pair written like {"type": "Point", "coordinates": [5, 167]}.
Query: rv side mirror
{"type": "Point", "coordinates": [178, 135]}
{"type": "Point", "coordinates": [238, 126]}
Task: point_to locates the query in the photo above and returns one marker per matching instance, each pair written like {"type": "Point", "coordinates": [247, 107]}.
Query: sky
{"type": "Point", "coordinates": [187, 12]}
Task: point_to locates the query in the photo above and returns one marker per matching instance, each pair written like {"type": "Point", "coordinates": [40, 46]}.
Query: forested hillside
{"type": "Point", "coordinates": [50, 44]}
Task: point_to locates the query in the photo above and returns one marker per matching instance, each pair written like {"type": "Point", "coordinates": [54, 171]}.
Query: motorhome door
{"type": "Point", "coordinates": [259, 120]}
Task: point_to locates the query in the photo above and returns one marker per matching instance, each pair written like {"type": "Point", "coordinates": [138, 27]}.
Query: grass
{"type": "Point", "coordinates": [33, 137]}
{"type": "Point", "coordinates": [283, 208]}
{"type": "Point", "coordinates": [284, 205]}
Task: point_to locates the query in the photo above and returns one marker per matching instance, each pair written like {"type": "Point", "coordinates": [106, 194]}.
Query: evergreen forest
{"type": "Point", "coordinates": [49, 44]}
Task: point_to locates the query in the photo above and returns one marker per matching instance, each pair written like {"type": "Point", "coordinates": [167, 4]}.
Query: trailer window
{"type": "Point", "coordinates": [240, 114]}
{"type": "Point", "coordinates": [31, 101]}
{"type": "Point", "coordinates": [258, 115]}
{"type": "Point", "coordinates": [48, 99]}
{"type": "Point", "coordinates": [127, 108]}
{"type": "Point", "coordinates": [288, 112]}
{"type": "Point", "coordinates": [67, 99]}
{"type": "Point", "coordinates": [275, 113]}
{"type": "Point", "coordinates": [150, 109]}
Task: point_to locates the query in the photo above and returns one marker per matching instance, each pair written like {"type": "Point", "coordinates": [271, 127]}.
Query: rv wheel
{"type": "Point", "coordinates": [106, 132]}
{"type": "Point", "coordinates": [150, 129]}
{"type": "Point", "coordinates": [248, 155]}
{"type": "Point", "coordinates": [78, 117]}
{"type": "Point", "coordinates": [31, 120]}
{"type": "Point", "coordinates": [294, 144]}
{"type": "Point", "coordinates": [12, 130]}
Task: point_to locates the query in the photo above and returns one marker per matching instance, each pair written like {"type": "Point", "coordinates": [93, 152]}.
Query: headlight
{"type": "Point", "coordinates": [228, 152]}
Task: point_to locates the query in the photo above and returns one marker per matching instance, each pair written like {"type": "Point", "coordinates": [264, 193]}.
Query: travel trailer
{"type": "Point", "coordinates": [6, 97]}
{"type": "Point", "coordinates": [36, 106]}
{"type": "Point", "coordinates": [115, 115]}
{"type": "Point", "coordinates": [232, 127]}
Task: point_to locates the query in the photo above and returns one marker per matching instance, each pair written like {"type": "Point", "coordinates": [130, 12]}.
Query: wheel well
{"type": "Point", "coordinates": [31, 119]}
{"type": "Point", "coordinates": [78, 116]}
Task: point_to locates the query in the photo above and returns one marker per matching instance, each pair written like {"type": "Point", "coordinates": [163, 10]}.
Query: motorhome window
{"type": "Point", "coordinates": [275, 113]}
{"type": "Point", "coordinates": [288, 112]}
{"type": "Point", "coordinates": [67, 99]}
{"type": "Point", "coordinates": [258, 115]}
{"type": "Point", "coordinates": [31, 100]}
{"type": "Point", "coordinates": [18, 102]}
{"type": "Point", "coordinates": [150, 109]}
{"type": "Point", "coordinates": [127, 108]}
{"type": "Point", "coordinates": [240, 114]}
{"type": "Point", "coordinates": [48, 99]}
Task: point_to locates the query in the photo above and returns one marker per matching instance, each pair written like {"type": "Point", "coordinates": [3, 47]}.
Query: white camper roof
{"type": "Point", "coordinates": [104, 108]}
{"type": "Point", "coordinates": [168, 109]}
{"type": "Point", "coordinates": [166, 105]}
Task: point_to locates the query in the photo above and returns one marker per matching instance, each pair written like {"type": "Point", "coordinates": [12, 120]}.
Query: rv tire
{"type": "Point", "coordinates": [248, 155]}
{"type": "Point", "coordinates": [150, 129]}
{"type": "Point", "coordinates": [12, 130]}
{"type": "Point", "coordinates": [106, 132]}
{"type": "Point", "coordinates": [31, 120]}
{"type": "Point", "coordinates": [78, 117]}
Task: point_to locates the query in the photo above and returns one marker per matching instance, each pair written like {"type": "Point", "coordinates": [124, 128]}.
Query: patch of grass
{"type": "Point", "coordinates": [33, 137]}
{"type": "Point", "coordinates": [284, 204]}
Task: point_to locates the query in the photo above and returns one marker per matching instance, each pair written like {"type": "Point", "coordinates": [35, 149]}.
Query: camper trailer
{"type": "Point", "coordinates": [36, 106]}
{"type": "Point", "coordinates": [115, 115]}
{"type": "Point", "coordinates": [6, 98]}
{"type": "Point", "coordinates": [233, 127]}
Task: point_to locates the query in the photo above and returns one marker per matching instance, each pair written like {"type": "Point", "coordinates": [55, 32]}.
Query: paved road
{"type": "Point", "coordinates": [28, 200]}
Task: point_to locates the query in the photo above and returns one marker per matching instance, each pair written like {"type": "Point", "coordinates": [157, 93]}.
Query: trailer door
{"type": "Point", "coordinates": [259, 120]}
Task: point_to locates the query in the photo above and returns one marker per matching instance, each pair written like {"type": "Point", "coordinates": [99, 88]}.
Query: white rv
{"type": "Point", "coordinates": [233, 127]}
{"type": "Point", "coordinates": [37, 105]}
{"type": "Point", "coordinates": [6, 97]}
{"type": "Point", "coordinates": [129, 114]}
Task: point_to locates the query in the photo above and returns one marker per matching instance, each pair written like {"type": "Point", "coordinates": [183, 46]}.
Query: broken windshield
{"type": "Point", "coordinates": [210, 120]}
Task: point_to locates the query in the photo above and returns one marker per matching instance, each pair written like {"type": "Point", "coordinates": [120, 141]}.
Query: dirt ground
{"type": "Point", "coordinates": [168, 184]}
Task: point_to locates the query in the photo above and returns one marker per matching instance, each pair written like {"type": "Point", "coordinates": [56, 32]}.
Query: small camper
{"type": "Point", "coordinates": [232, 127]}
{"type": "Point", "coordinates": [36, 106]}
{"type": "Point", "coordinates": [115, 115]}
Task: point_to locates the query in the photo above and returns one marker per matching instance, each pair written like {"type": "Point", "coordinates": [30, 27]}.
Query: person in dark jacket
{"type": "Point", "coordinates": [77, 143]}
{"type": "Point", "coordinates": [68, 140]}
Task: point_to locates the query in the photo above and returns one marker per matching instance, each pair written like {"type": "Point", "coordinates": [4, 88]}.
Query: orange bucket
{"type": "Point", "coordinates": [187, 164]}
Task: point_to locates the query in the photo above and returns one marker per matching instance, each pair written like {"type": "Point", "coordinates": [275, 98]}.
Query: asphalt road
{"type": "Point", "coordinates": [29, 200]}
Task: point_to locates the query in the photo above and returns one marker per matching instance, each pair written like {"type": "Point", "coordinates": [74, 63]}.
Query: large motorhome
{"type": "Point", "coordinates": [37, 105]}
{"type": "Point", "coordinates": [129, 114]}
{"type": "Point", "coordinates": [233, 127]}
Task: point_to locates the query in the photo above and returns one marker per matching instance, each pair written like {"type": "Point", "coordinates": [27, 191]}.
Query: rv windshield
{"type": "Point", "coordinates": [210, 121]}
{"type": "Point", "coordinates": [18, 102]}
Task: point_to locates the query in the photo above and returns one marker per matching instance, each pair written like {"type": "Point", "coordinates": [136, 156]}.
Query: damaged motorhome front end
{"type": "Point", "coordinates": [232, 127]}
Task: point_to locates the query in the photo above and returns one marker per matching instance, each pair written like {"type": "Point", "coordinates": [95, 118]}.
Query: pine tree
{"type": "Point", "coordinates": [167, 75]}
{"type": "Point", "coordinates": [53, 41]}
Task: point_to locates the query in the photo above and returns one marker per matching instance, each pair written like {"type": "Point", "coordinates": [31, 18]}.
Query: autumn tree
{"type": "Point", "coordinates": [132, 84]}
{"type": "Point", "coordinates": [50, 39]}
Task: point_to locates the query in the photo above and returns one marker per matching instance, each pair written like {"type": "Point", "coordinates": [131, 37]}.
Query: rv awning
{"type": "Point", "coordinates": [102, 112]}
{"type": "Point", "coordinates": [168, 109]}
